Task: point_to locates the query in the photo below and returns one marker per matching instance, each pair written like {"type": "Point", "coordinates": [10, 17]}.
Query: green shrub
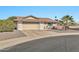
{"type": "Point", "coordinates": [6, 25]}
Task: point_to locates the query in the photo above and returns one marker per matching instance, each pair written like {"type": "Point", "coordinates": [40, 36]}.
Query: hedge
{"type": "Point", "coordinates": [6, 25]}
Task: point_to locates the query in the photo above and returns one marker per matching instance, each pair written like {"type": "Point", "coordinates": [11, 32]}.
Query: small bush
{"type": "Point", "coordinates": [6, 25]}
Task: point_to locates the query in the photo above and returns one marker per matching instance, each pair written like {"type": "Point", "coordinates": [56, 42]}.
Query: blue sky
{"type": "Point", "coordinates": [40, 11]}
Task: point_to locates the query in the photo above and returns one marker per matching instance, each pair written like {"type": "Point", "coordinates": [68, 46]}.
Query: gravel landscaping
{"type": "Point", "coordinates": [17, 34]}
{"type": "Point", "coordinates": [10, 35]}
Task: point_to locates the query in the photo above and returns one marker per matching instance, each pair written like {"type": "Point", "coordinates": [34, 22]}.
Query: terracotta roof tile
{"type": "Point", "coordinates": [34, 20]}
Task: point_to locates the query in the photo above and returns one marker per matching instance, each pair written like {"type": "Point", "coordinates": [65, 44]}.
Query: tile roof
{"type": "Point", "coordinates": [25, 19]}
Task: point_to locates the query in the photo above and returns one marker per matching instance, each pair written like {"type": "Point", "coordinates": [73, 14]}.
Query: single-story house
{"type": "Point", "coordinates": [34, 23]}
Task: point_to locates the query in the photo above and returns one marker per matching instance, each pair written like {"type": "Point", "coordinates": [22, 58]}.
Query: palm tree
{"type": "Point", "coordinates": [67, 21]}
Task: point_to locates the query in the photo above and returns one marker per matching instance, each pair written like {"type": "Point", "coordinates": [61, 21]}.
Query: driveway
{"type": "Point", "coordinates": [10, 35]}
{"type": "Point", "coordinates": [68, 43]}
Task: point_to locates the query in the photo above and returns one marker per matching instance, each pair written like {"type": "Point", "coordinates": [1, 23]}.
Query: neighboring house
{"type": "Point", "coordinates": [34, 23]}
{"type": "Point", "coordinates": [75, 27]}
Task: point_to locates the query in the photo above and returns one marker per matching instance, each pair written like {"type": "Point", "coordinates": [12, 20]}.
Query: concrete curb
{"type": "Point", "coordinates": [12, 42]}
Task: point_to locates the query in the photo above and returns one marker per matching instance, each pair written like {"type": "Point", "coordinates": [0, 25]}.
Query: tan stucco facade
{"type": "Point", "coordinates": [34, 26]}
{"type": "Point", "coordinates": [33, 23]}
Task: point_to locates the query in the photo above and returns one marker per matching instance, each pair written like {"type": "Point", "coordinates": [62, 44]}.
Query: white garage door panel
{"type": "Point", "coordinates": [30, 26]}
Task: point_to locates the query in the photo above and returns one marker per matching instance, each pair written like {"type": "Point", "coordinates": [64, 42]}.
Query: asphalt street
{"type": "Point", "coordinates": [68, 43]}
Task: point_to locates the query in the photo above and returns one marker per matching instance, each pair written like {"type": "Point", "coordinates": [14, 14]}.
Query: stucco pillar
{"type": "Point", "coordinates": [41, 26]}
{"type": "Point", "coordinates": [19, 26]}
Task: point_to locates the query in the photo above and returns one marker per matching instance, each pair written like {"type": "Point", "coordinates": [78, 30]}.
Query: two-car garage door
{"type": "Point", "coordinates": [31, 26]}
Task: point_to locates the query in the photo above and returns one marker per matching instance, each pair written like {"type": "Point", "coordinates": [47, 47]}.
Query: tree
{"type": "Point", "coordinates": [10, 25]}
{"type": "Point", "coordinates": [6, 25]}
{"type": "Point", "coordinates": [61, 22]}
{"type": "Point", "coordinates": [1, 25]}
{"type": "Point", "coordinates": [56, 18]}
{"type": "Point", "coordinates": [11, 18]}
{"type": "Point", "coordinates": [67, 21]}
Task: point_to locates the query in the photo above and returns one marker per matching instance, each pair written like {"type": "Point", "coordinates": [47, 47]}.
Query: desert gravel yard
{"type": "Point", "coordinates": [10, 35]}
{"type": "Point", "coordinates": [30, 33]}
{"type": "Point", "coordinates": [17, 34]}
